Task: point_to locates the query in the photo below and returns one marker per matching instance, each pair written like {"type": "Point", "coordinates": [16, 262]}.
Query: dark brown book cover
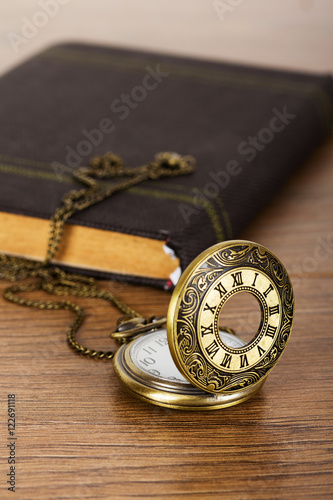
{"type": "Point", "coordinates": [248, 128]}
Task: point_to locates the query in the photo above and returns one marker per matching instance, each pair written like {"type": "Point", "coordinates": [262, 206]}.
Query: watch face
{"type": "Point", "coordinates": [263, 288]}
{"type": "Point", "coordinates": [145, 367]}
{"type": "Point", "coordinates": [221, 272]}
{"type": "Point", "coordinates": [151, 354]}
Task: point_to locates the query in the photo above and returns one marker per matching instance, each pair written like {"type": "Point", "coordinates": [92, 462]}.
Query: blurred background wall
{"type": "Point", "coordinates": [295, 34]}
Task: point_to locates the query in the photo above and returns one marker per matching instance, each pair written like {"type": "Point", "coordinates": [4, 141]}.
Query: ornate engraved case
{"type": "Point", "coordinates": [209, 368]}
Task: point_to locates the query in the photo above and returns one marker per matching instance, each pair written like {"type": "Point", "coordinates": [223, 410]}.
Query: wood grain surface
{"type": "Point", "coordinates": [80, 435]}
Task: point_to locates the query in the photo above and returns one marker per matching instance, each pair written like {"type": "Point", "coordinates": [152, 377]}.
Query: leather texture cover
{"type": "Point", "coordinates": [248, 128]}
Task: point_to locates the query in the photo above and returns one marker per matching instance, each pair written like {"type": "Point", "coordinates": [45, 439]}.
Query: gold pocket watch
{"type": "Point", "coordinates": [195, 365]}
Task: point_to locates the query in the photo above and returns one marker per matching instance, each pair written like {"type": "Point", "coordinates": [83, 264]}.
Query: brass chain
{"type": "Point", "coordinates": [55, 281]}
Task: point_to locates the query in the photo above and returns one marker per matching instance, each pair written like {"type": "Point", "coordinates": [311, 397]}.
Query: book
{"type": "Point", "coordinates": [248, 128]}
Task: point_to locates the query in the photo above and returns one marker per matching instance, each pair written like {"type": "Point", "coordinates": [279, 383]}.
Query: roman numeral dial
{"type": "Point", "coordinates": [241, 359]}
{"type": "Point", "coordinates": [209, 357]}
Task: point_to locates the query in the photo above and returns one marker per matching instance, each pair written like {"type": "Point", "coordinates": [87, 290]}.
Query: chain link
{"type": "Point", "coordinates": [57, 282]}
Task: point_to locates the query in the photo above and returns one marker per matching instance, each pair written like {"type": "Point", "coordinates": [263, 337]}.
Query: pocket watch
{"type": "Point", "coordinates": [193, 364]}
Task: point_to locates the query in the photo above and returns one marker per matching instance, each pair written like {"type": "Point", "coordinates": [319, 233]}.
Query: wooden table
{"type": "Point", "coordinates": [80, 435]}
